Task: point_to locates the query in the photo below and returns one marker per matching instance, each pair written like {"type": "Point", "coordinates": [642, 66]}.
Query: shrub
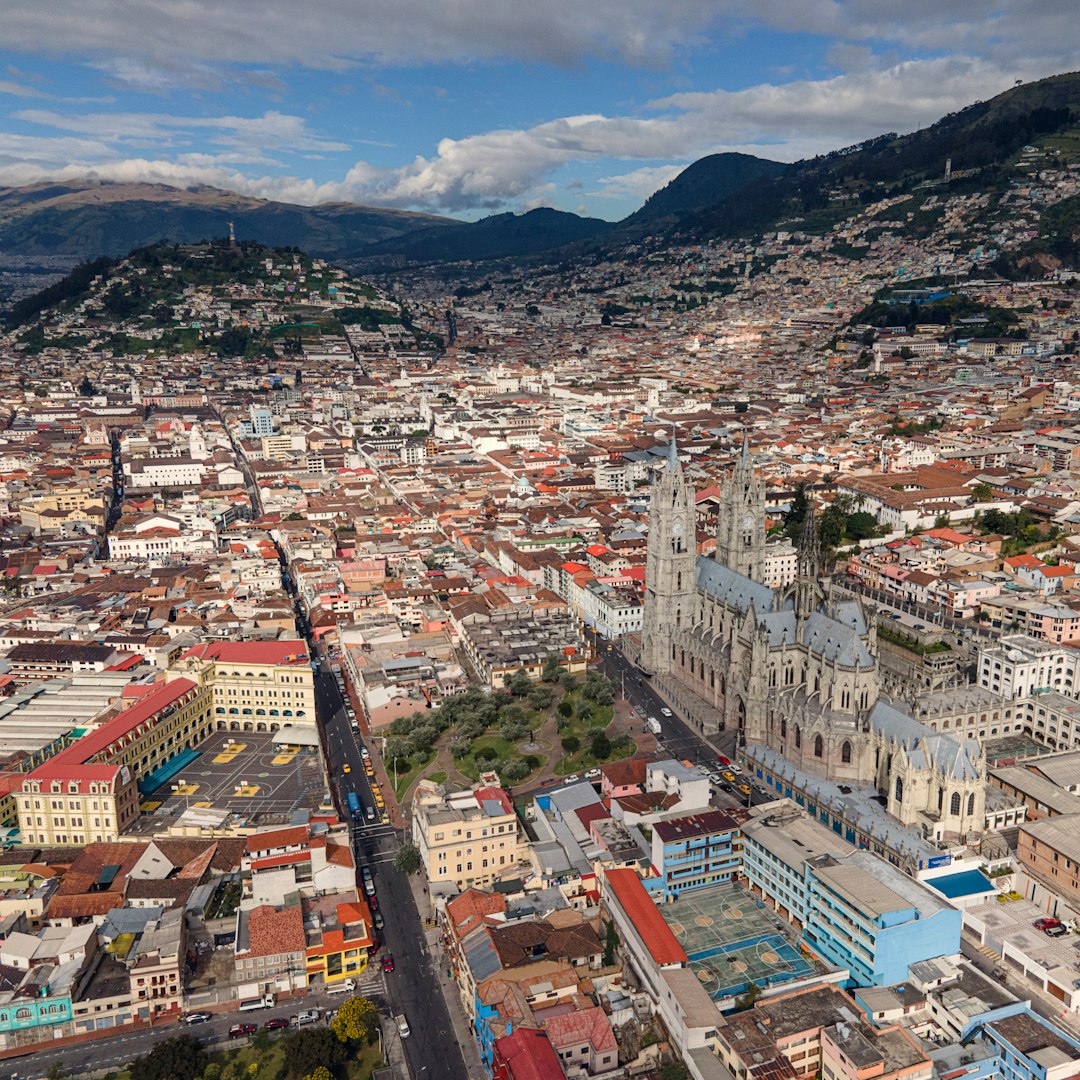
{"type": "Point", "coordinates": [571, 744]}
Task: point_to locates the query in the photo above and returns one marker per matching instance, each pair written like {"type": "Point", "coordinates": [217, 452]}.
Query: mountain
{"type": "Point", "coordinates": [976, 141]}
{"type": "Point", "coordinates": [707, 181]}
{"type": "Point", "coordinates": [500, 236]}
{"type": "Point", "coordinates": [85, 219]}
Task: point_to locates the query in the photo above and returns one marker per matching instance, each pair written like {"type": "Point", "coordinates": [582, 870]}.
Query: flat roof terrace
{"type": "Point", "coordinates": [731, 940]}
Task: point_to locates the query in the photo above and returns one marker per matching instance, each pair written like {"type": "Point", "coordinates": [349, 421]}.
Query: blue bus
{"type": "Point", "coordinates": [354, 804]}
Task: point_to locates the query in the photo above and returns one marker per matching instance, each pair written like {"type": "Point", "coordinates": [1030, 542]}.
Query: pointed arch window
{"type": "Point", "coordinates": [798, 737]}
{"type": "Point", "coordinates": [954, 803]}
{"type": "Point", "coordinates": [971, 804]}
{"type": "Point", "coordinates": [819, 746]}
{"type": "Point", "coordinates": [899, 789]}
{"type": "Point", "coordinates": [783, 727]}
{"type": "Point", "coordinates": [845, 753]}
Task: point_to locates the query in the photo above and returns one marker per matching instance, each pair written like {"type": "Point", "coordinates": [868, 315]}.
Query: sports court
{"type": "Point", "coordinates": [732, 941]}
{"type": "Point", "coordinates": [249, 776]}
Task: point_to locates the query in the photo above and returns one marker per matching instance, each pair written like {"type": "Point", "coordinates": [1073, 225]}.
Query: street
{"type": "Point", "coordinates": [676, 740]}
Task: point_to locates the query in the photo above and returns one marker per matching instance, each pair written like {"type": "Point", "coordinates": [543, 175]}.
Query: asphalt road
{"type": "Point", "coordinates": [677, 739]}
{"type": "Point", "coordinates": [117, 1051]}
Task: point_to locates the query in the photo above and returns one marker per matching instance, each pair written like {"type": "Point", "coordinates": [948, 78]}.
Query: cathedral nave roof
{"type": "Point", "coordinates": [732, 588]}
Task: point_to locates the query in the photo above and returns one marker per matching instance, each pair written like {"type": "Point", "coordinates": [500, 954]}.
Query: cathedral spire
{"type": "Point", "coordinates": [808, 565]}
{"type": "Point", "coordinates": [672, 454]}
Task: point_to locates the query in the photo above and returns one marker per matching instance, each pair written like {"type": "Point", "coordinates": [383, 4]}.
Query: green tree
{"type": "Point", "coordinates": [540, 697]}
{"type": "Point", "coordinates": [861, 526]}
{"type": "Point", "coordinates": [56, 1072]}
{"type": "Point", "coordinates": [407, 860]}
{"type": "Point", "coordinates": [212, 1071]}
{"type": "Point", "coordinates": [514, 771]}
{"type": "Point", "coordinates": [571, 744]}
{"type": "Point", "coordinates": [753, 992]}
{"type": "Point", "coordinates": [356, 1020]}
{"type": "Point", "coordinates": [982, 493]}
{"type": "Point", "coordinates": [86, 387]}
{"type": "Point", "coordinates": [260, 1041]}
{"type": "Point", "coordinates": [600, 746]}
{"type": "Point", "coordinates": [674, 1070]}
{"type": "Point", "coordinates": [309, 1048]}
{"type": "Point", "coordinates": [321, 1073]}
{"type": "Point", "coordinates": [551, 670]}
{"type": "Point", "coordinates": [519, 684]}
{"type": "Point", "coordinates": [566, 708]}
{"type": "Point", "coordinates": [611, 942]}
{"type": "Point", "coordinates": [181, 1058]}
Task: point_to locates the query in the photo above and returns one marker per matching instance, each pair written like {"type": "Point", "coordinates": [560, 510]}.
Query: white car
{"type": "Point", "coordinates": [593, 774]}
{"type": "Point", "coordinates": [665, 712]}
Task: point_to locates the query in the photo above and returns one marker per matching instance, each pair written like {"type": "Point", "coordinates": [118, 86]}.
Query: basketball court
{"type": "Point", "coordinates": [732, 941]}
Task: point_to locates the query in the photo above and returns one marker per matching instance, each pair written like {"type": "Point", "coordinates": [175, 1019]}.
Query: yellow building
{"type": "Point", "coordinates": [255, 685]}
{"type": "Point", "coordinates": [89, 791]}
{"type": "Point", "coordinates": [468, 839]}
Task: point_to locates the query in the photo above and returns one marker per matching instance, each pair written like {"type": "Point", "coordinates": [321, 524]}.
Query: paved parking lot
{"type": "Point", "coordinates": [249, 776]}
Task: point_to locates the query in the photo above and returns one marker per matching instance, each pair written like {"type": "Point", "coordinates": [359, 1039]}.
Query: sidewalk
{"type": "Point", "coordinates": [462, 1032]}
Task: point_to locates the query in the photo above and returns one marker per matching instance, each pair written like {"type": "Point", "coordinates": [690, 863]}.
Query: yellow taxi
{"type": "Point", "coordinates": [346, 768]}
{"type": "Point", "coordinates": [728, 776]}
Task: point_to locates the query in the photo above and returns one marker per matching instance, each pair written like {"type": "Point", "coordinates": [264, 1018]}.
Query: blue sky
{"type": "Point", "coordinates": [468, 107]}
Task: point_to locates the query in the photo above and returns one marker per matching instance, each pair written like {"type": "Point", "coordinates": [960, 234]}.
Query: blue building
{"type": "Point", "coordinates": [694, 851]}
{"type": "Point", "coordinates": [854, 909]}
{"type": "Point", "coordinates": [1022, 1046]}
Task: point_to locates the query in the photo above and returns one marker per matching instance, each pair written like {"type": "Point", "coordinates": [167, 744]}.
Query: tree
{"type": "Point", "coordinates": [753, 992]}
{"type": "Point", "coordinates": [321, 1073]}
{"type": "Point", "coordinates": [571, 744]}
{"type": "Point", "coordinates": [674, 1070]}
{"type": "Point", "coordinates": [611, 943]}
{"type": "Point", "coordinates": [514, 771]}
{"type": "Point", "coordinates": [260, 1041]}
{"type": "Point", "coordinates": [566, 708]}
{"type": "Point", "coordinates": [540, 697]}
{"type": "Point", "coordinates": [355, 1021]}
{"type": "Point", "coordinates": [600, 746]}
{"type": "Point", "coordinates": [309, 1048]}
{"type": "Point", "coordinates": [86, 387]}
{"type": "Point", "coordinates": [981, 493]}
{"type": "Point", "coordinates": [551, 670]}
{"type": "Point", "coordinates": [56, 1072]}
{"type": "Point", "coordinates": [519, 684]}
{"type": "Point", "coordinates": [861, 526]}
{"type": "Point", "coordinates": [407, 860]}
{"type": "Point", "coordinates": [182, 1058]}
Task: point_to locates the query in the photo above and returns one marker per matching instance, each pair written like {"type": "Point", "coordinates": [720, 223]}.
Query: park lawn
{"type": "Point", "coordinates": [438, 778]}
{"type": "Point", "coordinates": [583, 759]}
{"type": "Point", "coordinates": [504, 751]}
{"type": "Point", "coordinates": [407, 770]}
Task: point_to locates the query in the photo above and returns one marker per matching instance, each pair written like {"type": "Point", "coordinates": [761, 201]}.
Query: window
{"type": "Point", "coordinates": [819, 746]}
{"type": "Point", "coordinates": [971, 803]}
{"type": "Point", "coordinates": [798, 737]}
{"type": "Point", "coordinates": [845, 753]}
{"type": "Point", "coordinates": [899, 789]}
{"type": "Point", "coordinates": [954, 803]}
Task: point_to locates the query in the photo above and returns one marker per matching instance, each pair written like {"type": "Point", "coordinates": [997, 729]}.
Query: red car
{"type": "Point", "coordinates": [238, 1031]}
{"type": "Point", "coordinates": [723, 760]}
{"type": "Point", "coordinates": [373, 903]}
{"type": "Point", "coordinates": [276, 1024]}
{"type": "Point", "coordinates": [388, 962]}
{"type": "Point", "coordinates": [1046, 923]}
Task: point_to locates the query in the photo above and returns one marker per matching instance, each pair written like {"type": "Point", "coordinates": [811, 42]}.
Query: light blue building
{"type": "Point", "coordinates": [853, 908]}
{"type": "Point", "coordinates": [694, 851]}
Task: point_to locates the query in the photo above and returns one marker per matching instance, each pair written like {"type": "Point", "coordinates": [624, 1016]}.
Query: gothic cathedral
{"type": "Point", "coordinates": [792, 670]}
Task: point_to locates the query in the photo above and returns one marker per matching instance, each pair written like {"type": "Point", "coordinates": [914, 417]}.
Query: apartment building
{"type": "Point", "coordinates": [88, 792]}
{"type": "Point", "coordinates": [1050, 849]}
{"type": "Point", "coordinates": [694, 851]}
{"type": "Point", "coordinates": [468, 839]}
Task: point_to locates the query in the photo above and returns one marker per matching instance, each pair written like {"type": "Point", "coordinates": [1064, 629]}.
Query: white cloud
{"type": "Point", "coordinates": [496, 169]}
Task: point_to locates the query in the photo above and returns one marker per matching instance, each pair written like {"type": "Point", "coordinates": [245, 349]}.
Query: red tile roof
{"type": "Point", "coordinates": [273, 932]}
{"type": "Point", "coordinates": [587, 1025]}
{"type": "Point", "coordinates": [253, 652]}
{"type": "Point", "coordinates": [627, 889]}
{"type": "Point", "coordinates": [529, 1056]}
{"type": "Point", "coordinates": [276, 838]}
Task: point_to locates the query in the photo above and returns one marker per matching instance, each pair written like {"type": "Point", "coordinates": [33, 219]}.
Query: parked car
{"type": "Point", "coordinates": [593, 774]}
{"type": "Point", "coordinates": [276, 1024]}
{"type": "Point", "coordinates": [309, 1016]}
{"type": "Point", "coordinates": [729, 776]}
{"type": "Point", "coordinates": [402, 1025]}
{"type": "Point", "coordinates": [198, 1017]}
{"type": "Point", "coordinates": [377, 920]}
{"type": "Point", "coordinates": [240, 1031]}
{"type": "Point", "coordinates": [388, 963]}
{"type": "Point", "coordinates": [1056, 931]}
{"type": "Point", "coordinates": [1048, 922]}
{"type": "Point", "coordinates": [369, 887]}
{"type": "Point", "coordinates": [373, 903]}
{"type": "Point", "coordinates": [665, 712]}
{"type": "Point", "coordinates": [723, 760]}
{"type": "Point", "coordinates": [364, 752]}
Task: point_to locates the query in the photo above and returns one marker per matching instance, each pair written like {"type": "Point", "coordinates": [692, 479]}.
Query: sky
{"type": "Point", "coordinates": [471, 107]}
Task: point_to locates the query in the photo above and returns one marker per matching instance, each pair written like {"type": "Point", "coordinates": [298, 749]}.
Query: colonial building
{"type": "Point", "coordinates": [791, 669]}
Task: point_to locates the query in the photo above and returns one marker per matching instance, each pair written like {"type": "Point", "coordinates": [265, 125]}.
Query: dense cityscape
{"type": "Point", "coordinates": [659, 659]}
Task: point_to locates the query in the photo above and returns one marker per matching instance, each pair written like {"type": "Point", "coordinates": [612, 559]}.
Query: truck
{"type": "Point", "coordinates": [653, 725]}
{"type": "Point", "coordinates": [355, 809]}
